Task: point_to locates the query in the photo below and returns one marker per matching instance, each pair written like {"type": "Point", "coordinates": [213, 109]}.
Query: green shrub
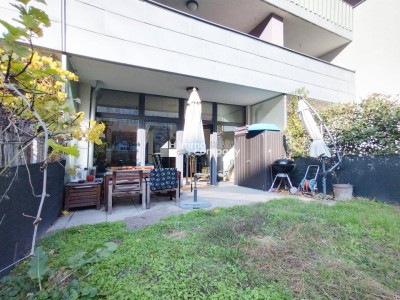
{"type": "Point", "coordinates": [371, 127]}
{"type": "Point", "coordinates": [40, 281]}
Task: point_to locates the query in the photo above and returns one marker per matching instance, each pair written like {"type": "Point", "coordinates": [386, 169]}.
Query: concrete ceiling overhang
{"type": "Point", "coordinates": [139, 80]}
{"type": "Point", "coordinates": [243, 15]}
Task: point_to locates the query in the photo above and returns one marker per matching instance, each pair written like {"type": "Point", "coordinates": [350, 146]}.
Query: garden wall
{"type": "Point", "coordinates": [15, 229]}
{"type": "Point", "coordinates": [372, 177]}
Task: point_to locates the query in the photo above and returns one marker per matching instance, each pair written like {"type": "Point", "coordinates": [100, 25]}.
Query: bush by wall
{"type": "Point", "coordinates": [368, 137]}
{"type": "Point", "coordinates": [368, 128]}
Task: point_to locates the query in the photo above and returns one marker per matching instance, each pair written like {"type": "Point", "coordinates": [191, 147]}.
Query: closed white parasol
{"type": "Point", "coordinates": [318, 146]}
{"type": "Point", "coordinates": [193, 142]}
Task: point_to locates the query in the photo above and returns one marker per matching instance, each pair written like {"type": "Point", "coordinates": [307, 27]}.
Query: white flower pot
{"type": "Point", "coordinates": [342, 191]}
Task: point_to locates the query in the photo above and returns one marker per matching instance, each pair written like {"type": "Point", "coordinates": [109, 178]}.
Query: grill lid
{"type": "Point", "coordinates": [283, 165]}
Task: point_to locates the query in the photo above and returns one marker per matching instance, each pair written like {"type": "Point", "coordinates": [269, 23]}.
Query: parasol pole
{"type": "Point", "coordinates": [187, 169]}
{"type": "Point", "coordinates": [324, 173]}
{"type": "Point", "coordinates": [195, 184]}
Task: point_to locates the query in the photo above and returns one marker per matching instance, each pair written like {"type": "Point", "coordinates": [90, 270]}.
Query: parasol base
{"type": "Point", "coordinates": [190, 204]}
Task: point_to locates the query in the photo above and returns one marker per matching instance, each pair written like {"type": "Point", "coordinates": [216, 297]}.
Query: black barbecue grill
{"type": "Point", "coordinates": [282, 167]}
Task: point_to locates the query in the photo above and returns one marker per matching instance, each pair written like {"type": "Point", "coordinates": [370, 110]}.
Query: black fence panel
{"type": "Point", "coordinates": [15, 229]}
{"type": "Point", "coordinates": [372, 177]}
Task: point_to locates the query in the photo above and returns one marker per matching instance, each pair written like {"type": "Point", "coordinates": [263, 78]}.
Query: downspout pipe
{"type": "Point", "coordinates": [96, 89]}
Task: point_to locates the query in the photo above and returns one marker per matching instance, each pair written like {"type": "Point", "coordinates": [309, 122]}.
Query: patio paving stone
{"type": "Point", "coordinates": [224, 195]}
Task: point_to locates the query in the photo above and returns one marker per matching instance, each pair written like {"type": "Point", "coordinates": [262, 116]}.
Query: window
{"type": "Point", "coordinates": [230, 113]}
{"type": "Point", "coordinates": [161, 138]}
{"type": "Point", "coordinates": [119, 144]}
{"type": "Point", "coordinates": [112, 103]}
{"type": "Point", "coordinates": [157, 106]}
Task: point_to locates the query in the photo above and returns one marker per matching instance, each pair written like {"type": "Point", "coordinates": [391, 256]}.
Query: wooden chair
{"type": "Point", "coordinates": [122, 168]}
{"type": "Point", "coordinates": [204, 175]}
{"type": "Point", "coordinates": [126, 182]}
{"type": "Point", "coordinates": [151, 167]}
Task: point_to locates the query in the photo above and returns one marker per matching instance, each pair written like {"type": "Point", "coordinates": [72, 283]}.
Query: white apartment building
{"type": "Point", "coordinates": [136, 59]}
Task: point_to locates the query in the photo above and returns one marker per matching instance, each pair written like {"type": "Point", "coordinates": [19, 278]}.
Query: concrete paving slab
{"type": "Point", "coordinates": [61, 223]}
{"type": "Point", "coordinates": [224, 195]}
{"type": "Point", "coordinates": [77, 222]}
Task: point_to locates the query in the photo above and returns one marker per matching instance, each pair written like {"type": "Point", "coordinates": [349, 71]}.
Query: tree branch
{"type": "Point", "coordinates": [7, 75]}
{"type": "Point", "coordinates": [44, 185]}
{"type": "Point", "coordinates": [28, 63]}
{"type": "Point", "coordinates": [9, 186]}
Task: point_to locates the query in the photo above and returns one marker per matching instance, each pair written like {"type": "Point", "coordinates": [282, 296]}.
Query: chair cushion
{"type": "Point", "coordinates": [162, 179]}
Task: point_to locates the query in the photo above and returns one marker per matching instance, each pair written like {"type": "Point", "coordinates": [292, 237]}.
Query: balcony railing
{"type": "Point", "coordinates": [335, 11]}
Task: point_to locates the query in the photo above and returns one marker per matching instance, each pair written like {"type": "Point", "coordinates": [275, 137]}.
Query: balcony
{"type": "Point", "coordinates": [337, 12]}
{"type": "Point", "coordinates": [311, 27]}
{"type": "Point", "coordinates": [146, 47]}
{"type": "Point", "coordinates": [157, 49]}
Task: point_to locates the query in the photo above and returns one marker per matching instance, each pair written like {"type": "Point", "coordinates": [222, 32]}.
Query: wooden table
{"type": "Point", "coordinates": [82, 194]}
{"type": "Point", "coordinates": [146, 187]}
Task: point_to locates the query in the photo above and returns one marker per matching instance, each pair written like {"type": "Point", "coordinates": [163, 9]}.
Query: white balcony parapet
{"type": "Point", "coordinates": [143, 35]}
{"type": "Point", "coordinates": [337, 12]}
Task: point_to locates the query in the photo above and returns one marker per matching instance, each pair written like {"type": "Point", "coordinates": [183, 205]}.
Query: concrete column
{"type": "Point", "coordinates": [141, 147]}
{"type": "Point", "coordinates": [270, 30]}
{"type": "Point", "coordinates": [285, 115]}
{"type": "Point", "coordinates": [92, 116]}
{"type": "Point", "coordinates": [213, 158]}
{"type": "Point", "coordinates": [83, 146]}
{"type": "Point", "coordinates": [179, 157]}
{"type": "Point", "coordinates": [70, 160]}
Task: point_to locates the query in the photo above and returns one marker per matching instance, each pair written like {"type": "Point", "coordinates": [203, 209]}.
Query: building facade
{"type": "Point", "coordinates": [136, 59]}
{"type": "Point", "coordinates": [374, 50]}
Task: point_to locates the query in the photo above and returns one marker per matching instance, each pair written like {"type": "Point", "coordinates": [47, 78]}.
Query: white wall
{"type": "Point", "coordinates": [333, 15]}
{"type": "Point", "coordinates": [375, 50]}
{"type": "Point", "coordinates": [52, 36]}
{"type": "Point", "coordinates": [140, 34]}
{"type": "Point", "coordinates": [271, 111]}
{"type": "Point", "coordinates": [85, 159]}
{"type": "Point", "coordinates": [137, 33]}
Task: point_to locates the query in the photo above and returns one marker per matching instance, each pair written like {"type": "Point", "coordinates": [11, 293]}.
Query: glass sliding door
{"type": "Point", "coordinates": [119, 111]}
{"type": "Point", "coordinates": [119, 143]}
{"type": "Point", "coordinates": [161, 139]}
{"type": "Point", "coordinates": [229, 117]}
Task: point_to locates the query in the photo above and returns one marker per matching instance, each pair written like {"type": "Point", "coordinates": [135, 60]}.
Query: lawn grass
{"type": "Point", "coordinates": [283, 249]}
